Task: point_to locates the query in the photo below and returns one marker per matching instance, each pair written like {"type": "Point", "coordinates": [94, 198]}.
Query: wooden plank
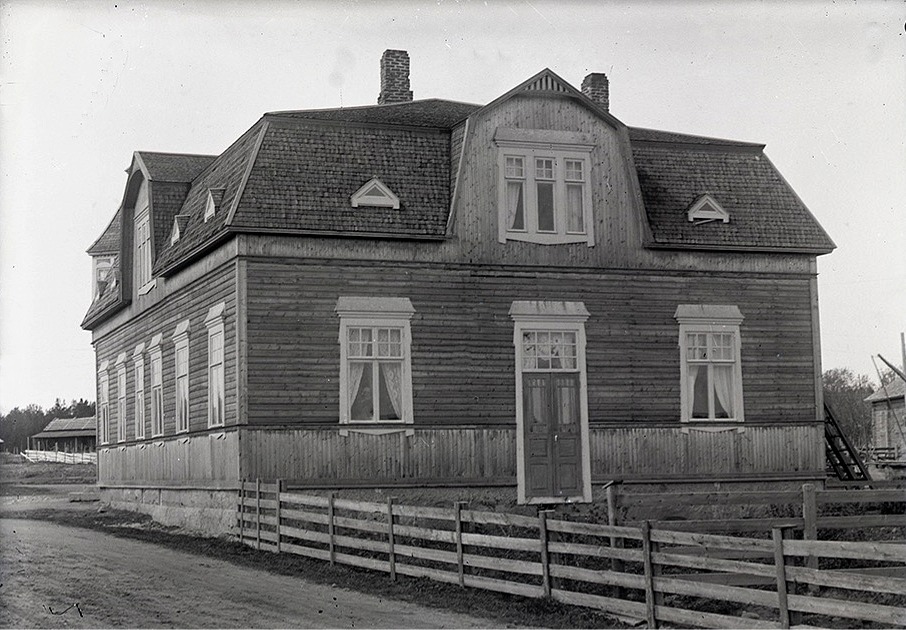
{"type": "Point", "coordinates": [331, 527]}
{"type": "Point", "coordinates": [303, 534]}
{"type": "Point", "coordinates": [303, 499]}
{"type": "Point", "coordinates": [594, 529]}
{"type": "Point", "coordinates": [715, 591]}
{"type": "Point", "coordinates": [459, 547]}
{"type": "Point", "coordinates": [599, 576]}
{"type": "Point", "coordinates": [598, 551]}
{"type": "Point", "coordinates": [729, 525]}
{"type": "Point", "coordinates": [268, 536]}
{"type": "Point", "coordinates": [416, 511]}
{"type": "Point", "coordinates": [861, 496]}
{"type": "Point", "coordinates": [701, 619]}
{"type": "Point", "coordinates": [427, 572]}
{"type": "Point", "coordinates": [779, 566]}
{"type": "Point", "coordinates": [862, 520]}
{"type": "Point", "coordinates": [545, 558]}
{"type": "Point", "coordinates": [390, 541]}
{"type": "Point", "coordinates": [713, 564]}
{"type": "Point", "coordinates": [848, 609]}
{"type": "Point", "coordinates": [500, 542]}
{"type": "Point", "coordinates": [682, 499]}
{"type": "Point", "coordinates": [607, 604]}
{"type": "Point", "coordinates": [502, 564]}
{"type": "Point", "coordinates": [650, 615]}
{"type": "Point", "coordinates": [365, 525]}
{"type": "Point", "coordinates": [300, 550]}
{"type": "Point", "coordinates": [369, 507]}
{"type": "Point", "coordinates": [852, 579]}
{"type": "Point", "coordinates": [380, 546]}
{"type": "Point", "coordinates": [423, 553]}
{"type": "Point", "coordinates": [499, 518]}
{"type": "Point", "coordinates": [365, 563]}
{"type": "Point", "coordinates": [712, 541]}
{"type": "Point", "coordinates": [504, 586]}
{"type": "Point", "coordinates": [842, 549]}
{"type": "Point", "coordinates": [301, 515]}
{"type": "Point", "coordinates": [730, 579]}
{"type": "Point", "coordinates": [423, 533]}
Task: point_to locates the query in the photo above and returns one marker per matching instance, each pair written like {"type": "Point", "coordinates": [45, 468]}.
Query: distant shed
{"type": "Point", "coordinates": [67, 435]}
{"type": "Point", "coordinates": [888, 413]}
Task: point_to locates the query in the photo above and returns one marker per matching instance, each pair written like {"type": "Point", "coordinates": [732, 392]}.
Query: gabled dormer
{"type": "Point", "coordinates": [376, 194]}
{"type": "Point", "coordinates": [706, 208]}
{"type": "Point", "coordinates": [212, 205]}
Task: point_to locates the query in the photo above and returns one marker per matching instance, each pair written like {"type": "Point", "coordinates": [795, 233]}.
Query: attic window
{"type": "Point", "coordinates": [375, 193]}
{"type": "Point", "coordinates": [705, 209]}
{"type": "Point", "coordinates": [179, 223]}
{"type": "Point", "coordinates": [215, 196]}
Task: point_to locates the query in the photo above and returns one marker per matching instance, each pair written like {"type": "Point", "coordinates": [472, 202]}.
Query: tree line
{"type": "Point", "coordinates": [21, 423]}
{"type": "Point", "coordinates": [845, 393]}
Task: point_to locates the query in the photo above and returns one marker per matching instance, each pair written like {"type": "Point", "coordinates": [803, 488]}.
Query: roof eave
{"type": "Point", "coordinates": [740, 248]}
{"type": "Point", "coordinates": [92, 321]}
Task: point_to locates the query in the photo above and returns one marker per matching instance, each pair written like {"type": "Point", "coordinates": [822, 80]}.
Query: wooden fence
{"type": "Point", "coordinates": [645, 572]}
{"type": "Point", "coordinates": [807, 510]}
{"type": "Point", "coordinates": [63, 458]}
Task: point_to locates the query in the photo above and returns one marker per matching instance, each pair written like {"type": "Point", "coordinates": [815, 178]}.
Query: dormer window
{"type": "Point", "coordinates": [544, 184]}
{"type": "Point", "coordinates": [104, 274]}
{"type": "Point", "coordinates": [375, 193]}
{"type": "Point", "coordinates": [215, 196]}
{"type": "Point", "coordinates": [179, 223]}
{"type": "Point", "coordinates": [706, 208]}
{"type": "Point", "coordinates": [143, 256]}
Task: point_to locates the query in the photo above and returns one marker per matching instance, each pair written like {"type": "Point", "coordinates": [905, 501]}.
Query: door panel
{"type": "Point", "coordinates": [552, 433]}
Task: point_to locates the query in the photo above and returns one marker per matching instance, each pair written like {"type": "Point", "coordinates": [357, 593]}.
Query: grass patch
{"type": "Point", "coordinates": [16, 470]}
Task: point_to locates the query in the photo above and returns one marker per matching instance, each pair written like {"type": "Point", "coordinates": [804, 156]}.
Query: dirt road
{"type": "Point", "coordinates": [45, 568]}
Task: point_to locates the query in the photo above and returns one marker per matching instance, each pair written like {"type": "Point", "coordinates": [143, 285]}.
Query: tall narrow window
{"type": "Point", "coordinates": [552, 435]}
{"type": "Point", "coordinates": [142, 250]}
{"type": "Point", "coordinates": [138, 359]}
{"type": "Point", "coordinates": [710, 368]}
{"type": "Point", "coordinates": [104, 404]}
{"type": "Point", "coordinates": [157, 389]}
{"type": "Point", "coordinates": [181, 346]}
{"type": "Point", "coordinates": [375, 360]}
{"type": "Point", "coordinates": [544, 188]}
{"type": "Point", "coordinates": [216, 398]}
{"type": "Point", "coordinates": [121, 418]}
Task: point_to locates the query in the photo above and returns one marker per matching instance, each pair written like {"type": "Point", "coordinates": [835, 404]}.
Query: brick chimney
{"type": "Point", "coordinates": [596, 87]}
{"type": "Point", "coordinates": [394, 77]}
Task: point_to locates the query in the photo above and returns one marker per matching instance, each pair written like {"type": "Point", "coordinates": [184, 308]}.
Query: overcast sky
{"type": "Point", "coordinates": [84, 84]}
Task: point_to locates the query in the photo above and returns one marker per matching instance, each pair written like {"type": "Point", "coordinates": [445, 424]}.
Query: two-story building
{"type": "Point", "coordinates": [527, 295]}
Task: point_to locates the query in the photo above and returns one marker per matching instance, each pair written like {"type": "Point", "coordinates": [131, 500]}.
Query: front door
{"type": "Point", "coordinates": [553, 442]}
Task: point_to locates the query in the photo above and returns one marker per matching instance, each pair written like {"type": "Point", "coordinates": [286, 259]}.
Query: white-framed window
{"type": "Point", "coordinates": [138, 367]}
{"type": "Point", "coordinates": [121, 412]}
{"type": "Point", "coordinates": [181, 355]}
{"type": "Point", "coordinates": [104, 403]}
{"type": "Point", "coordinates": [216, 346]}
{"type": "Point", "coordinates": [375, 361]}
{"type": "Point", "coordinates": [157, 389]}
{"type": "Point", "coordinates": [544, 186]}
{"type": "Point", "coordinates": [215, 196]}
{"type": "Point", "coordinates": [552, 435]}
{"type": "Point", "coordinates": [710, 364]}
{"type": "Point", "coordinates": [104, 274]}
{"type": "Point", "coordinates": [143, 250]}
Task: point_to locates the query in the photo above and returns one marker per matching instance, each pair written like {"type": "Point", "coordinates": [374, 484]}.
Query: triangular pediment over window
{"type": "Point", "coordinates": [548, 82]}
{"type": "Point", "coordinates": [215, 196]}
{"type": "Point", "coordinates": [375, 193]}
{"type": "Point", "coordinates": [179, 224]}
{"type": "Point", "coordinates": [706, 208]}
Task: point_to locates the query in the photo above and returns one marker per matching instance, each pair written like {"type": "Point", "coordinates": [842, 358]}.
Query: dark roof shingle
{"type": "Point", "coordinates": [431, 112]}
{"type": "Point", "coordinates": [894, 389]}
{"type": "Point", "coordinates": [174, 167]}
{"type": "Point", "coordinates": [109, 240]}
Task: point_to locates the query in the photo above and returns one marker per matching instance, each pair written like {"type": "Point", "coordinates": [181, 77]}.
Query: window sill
{"type": "Point", "coordinates": [146, 288]}
{"type": "Point", "coordinates": [712, 426]}
{"type": "Point", "coordinates": [549, 239]}
{"type": "Point", "coordinates": [346, 429]}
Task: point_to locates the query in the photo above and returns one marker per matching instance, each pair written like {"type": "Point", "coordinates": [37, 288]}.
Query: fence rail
{"type": "Point", "coordinates": [641, 571]}
{"type": "Point", "coordinates": [60, 457]}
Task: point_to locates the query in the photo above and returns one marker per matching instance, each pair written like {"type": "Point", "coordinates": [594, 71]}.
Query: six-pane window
{"type": "Point", "coordinates": [711, 361]}
{"type": "Point", "coordinates": [375, 364]}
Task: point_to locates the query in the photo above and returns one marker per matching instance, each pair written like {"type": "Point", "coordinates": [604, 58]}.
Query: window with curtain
{"type": "Point", "coordinates": [104, 404]}
{"type": "Point", "coordinates": [157, 392]}
{"type": "Point", "coordinates": [121, 402]}
{"type": "Point", "coordinates": [544, 186]}
{"type": "Point", "coordinates": [711, 372]}
{"type": "Point", "coordinates": [216, 385]}
{"type": "Point", "coordinates": [181, 344]}
{"type": "Point", "coordinates": [139, 397]}
{"type": "Point", "coordinates": [375, 354]}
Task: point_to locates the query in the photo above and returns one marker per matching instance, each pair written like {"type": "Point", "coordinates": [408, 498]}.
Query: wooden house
{"type": "Point", "coordinates": [888, 424]}
{"type": "Point", "coordinates": [66, 435]}
{"type": "Point", "coordinates": [527, 295]}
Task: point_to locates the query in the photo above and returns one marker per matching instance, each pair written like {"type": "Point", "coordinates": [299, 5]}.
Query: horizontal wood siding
{"type": "Point", "coordinates": [191, 302]}
{"type": "Point", "coordinates": [322, 455]}
{"type": "Point", "coordinates": [174, 461]}
{"type": "Point", "coordinates": [462, 347]}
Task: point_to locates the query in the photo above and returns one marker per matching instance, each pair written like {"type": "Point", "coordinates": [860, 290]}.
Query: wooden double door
{"type": "Point", "coordinates": [552, 434]}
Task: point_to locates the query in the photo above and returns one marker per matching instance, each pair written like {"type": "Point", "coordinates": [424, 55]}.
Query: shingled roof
{"type": "Point", "coordinates": [430, 112]}
{"type": "Point", "coordinates": [174, 167]}
{"type": "Point", "coordinates": [109, 240]}
{"type": "Point", "coordinates": [894, 389]}
{"type": "Point", "coordinates": [674, 170]}
{"type": "Point", "coordinates": [69, 427]}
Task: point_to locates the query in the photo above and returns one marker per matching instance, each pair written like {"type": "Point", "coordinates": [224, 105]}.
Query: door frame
{"type": "Point", "coordinates": [558, 316]}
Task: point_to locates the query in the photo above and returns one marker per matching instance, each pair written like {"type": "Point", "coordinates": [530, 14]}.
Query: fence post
{"type": "Point", "coordinates": [390, 538]}
{"type": "Point", "coordinates": [615, 542]}
{"type": "Point", "coordinates": [545, 558]}
{"type": "Point", "coordinates": [650, 611]}
{"type": "Point", "coordinates": [779, 565]}
{"type": "Point", "coordinates": [242, 511]}
{"type": "Point", "coordinates": [330, 527]}
{"type": "Point", "coordinates": [279, 490]}
{"type": "Point", "coordinates": [460, 563]}
{"type": "Point", "coordinates": [810, 518]}
{"type": "Point", "coordinates": [258, 513]}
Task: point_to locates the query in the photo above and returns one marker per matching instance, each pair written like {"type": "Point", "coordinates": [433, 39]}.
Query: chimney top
{"type": "Point", "coordinates": [394, 77]}
{"type": "Point", "coordinates": [596, 87]}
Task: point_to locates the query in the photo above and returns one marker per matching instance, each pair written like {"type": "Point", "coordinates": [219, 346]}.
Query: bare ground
{"type": "Point", "coordinates": [46, 569]}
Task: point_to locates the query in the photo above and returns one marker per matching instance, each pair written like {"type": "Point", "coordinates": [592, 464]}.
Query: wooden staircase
{"type": "Point", "coordinates": [842, 458]}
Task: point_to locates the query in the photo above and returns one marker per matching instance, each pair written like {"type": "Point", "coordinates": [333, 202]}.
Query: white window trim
{"type": "Point", "coordinates": [706, 208]}
{"type": "Point", "coordinates": [214, 323]}
{"type": "Point", "coordinates": [530, 315]}
{"type": "Point", "coordinates": [181, 342]}
{"type": "Point", "coordinates": [544, 143]}
{"type": "Point", "coordinates": [357, 312]}
{"type": "Point", "coordinates": [157, 413]}
{"type": "Point", "coordinates": [385, 200]}
{"type": "Point", "coordinates": [121, 402]}
{"type": "Point", "coordinates": [104, 402]}
{"type": "Point", "coordinates": [138, 370]}
{"type": "Point", "coordinates": [708, 318]}
{"type": "Point", "coordinates": [143, 259]}
{"type": "Point", "coordinates": [213, 205]}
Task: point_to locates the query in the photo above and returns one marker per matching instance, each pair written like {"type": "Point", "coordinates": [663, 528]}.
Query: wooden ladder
{"type": "Point", "coordinates": [842, 458]}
